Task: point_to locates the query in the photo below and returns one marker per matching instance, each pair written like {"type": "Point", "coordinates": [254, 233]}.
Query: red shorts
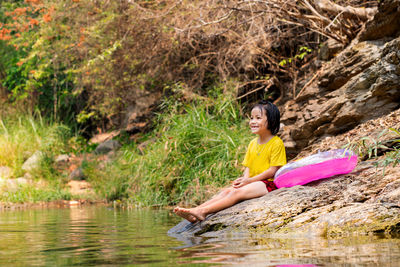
{"type": "Point", "coordinates": [270, 185]}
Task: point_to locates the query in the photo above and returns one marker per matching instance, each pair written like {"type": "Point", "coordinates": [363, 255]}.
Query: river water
{"type": "Point", "coordinates": [104, 236]}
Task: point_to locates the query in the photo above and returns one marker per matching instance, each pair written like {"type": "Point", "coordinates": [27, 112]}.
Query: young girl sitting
{"type": "Point", "coordinates": [265, 155]}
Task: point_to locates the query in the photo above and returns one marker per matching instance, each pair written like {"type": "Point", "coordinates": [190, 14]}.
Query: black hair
{"type": "Point", "coordinates": [273, 115]}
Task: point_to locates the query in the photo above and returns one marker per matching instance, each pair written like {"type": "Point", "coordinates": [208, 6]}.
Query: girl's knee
{"type": "Point", "coordinates": [237, 192]}
{"type": "Point", "coordinates": [227, 191]}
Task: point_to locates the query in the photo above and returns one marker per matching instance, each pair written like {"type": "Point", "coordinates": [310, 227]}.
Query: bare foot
{"type": "Point", "coordinates": [196, 212]}
{"type": "Point", "coordinates": [188, 217]}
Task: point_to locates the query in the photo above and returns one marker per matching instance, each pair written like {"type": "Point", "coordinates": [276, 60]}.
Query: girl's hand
{"type": "Point", "coordinates": [241, 181]}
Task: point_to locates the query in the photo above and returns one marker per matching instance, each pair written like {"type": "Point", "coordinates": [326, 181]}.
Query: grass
{"type": "Point", "coordinates": [31, 194]}
{"type": "Point", "coordinates": [194, 150]}
{"type": "Point", "coordinates": [368, 147]}
{"type": "Point", "coordinates": [20, 136]}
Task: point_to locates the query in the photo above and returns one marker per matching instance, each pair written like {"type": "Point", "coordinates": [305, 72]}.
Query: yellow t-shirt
{"type": "Point", "coordinates": [260, 157]}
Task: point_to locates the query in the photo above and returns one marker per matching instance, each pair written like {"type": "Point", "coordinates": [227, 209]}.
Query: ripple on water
{"type": "Point", "coordinates": [99, 236]}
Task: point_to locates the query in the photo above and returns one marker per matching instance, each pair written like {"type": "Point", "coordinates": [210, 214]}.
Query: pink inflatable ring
{"type": "Point", "coordinates": [316, 167]}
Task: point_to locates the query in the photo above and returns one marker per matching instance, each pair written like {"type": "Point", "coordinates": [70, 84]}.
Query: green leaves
{"type": "Point", "coordinates": [369, 147]}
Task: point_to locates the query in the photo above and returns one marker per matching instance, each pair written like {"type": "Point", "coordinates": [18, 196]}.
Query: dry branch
{"type": "Point", "coordinates": [347, 12]}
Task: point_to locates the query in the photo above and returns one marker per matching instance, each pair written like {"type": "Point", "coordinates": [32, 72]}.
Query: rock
{"type": "Point", "coordinates": [103, 137]}
{"type": "Point", "coordinates": [110, 145]}
{"type": "Point", "coordinates": [12, 185]}
{"type": "Point", "coordinates": [62, 159]}
{"type": "Point", "coordinates": [77, 174]}
{"type": "Point", "coordinates": [73, 203]}
{"type": "Point", "coordinates": [5, 172]}
{"type": "Point", "coordinates": [341, 205]}
{"type": "Point", "coordinates": [28, 176]}
{"type": "Point", "coordinates": [361, 83]}
{"type": "Point", "coordinates": [385, 23]}
{"type": "Point", "coordinates": [137, 114]}
{"type": "Point", "coordinates": [33, 162]}
{"type": "Point", "coordinates": [329, 49]}
{"type": "Point", "coordinates": [80, 187]}
{"type": "Point", "coordinates": [21, 181]}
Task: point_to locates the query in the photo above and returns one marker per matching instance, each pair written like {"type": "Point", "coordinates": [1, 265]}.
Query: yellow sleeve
{"type": "Point", "coordinates": [278, 154]}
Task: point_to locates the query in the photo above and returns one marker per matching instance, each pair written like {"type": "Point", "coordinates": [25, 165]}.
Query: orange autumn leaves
{"type": "Point", "coordinates": [25, 18]}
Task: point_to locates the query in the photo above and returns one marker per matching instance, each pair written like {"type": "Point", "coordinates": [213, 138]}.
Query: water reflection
{"type": "Point", "coordinates": [259, 250]}
{"type": "Point", "coordinates": [98, 236]}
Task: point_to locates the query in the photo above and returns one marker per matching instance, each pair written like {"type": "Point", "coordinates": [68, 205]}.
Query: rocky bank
{"type": "Point", "coordinates": [355, 95]}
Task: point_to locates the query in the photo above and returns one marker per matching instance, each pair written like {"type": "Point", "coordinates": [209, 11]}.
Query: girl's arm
{"type": "Point", "coordinates": [246, 173]}
{"type": "Point", "coordinates": [269, 173]}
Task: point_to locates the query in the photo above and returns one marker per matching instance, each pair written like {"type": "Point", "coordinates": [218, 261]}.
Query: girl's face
{"type": "Point", "coordinates": [258, 121]}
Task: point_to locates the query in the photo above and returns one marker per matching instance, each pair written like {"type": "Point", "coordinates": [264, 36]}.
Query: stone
{"type": "Point", "coordinates": [5, 172]}
{"type": "Point", "coordinates": [62, 159]}
{"type": "Point", "coordinates": [103, 137]}
{"type": "Point", "coordinates": [360, 84]}
{"type": "Point", "coordinates": [12, 185]}
{"type": "Point", "coordinates": [338, 206]}
{"type": "Point", "coordinates": [110, 145]}
{"type": "Point", "coordinates": [80, 188]}
{"type": "Point", "coordinates": [77, 174]}
{"type": "Point", "coordinates": [33, 162]}
{"type": "Point", "coordinates": [329, 49]}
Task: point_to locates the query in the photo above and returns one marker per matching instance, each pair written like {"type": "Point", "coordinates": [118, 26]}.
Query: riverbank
{"type": "Point", "coordinates": [366, 201]}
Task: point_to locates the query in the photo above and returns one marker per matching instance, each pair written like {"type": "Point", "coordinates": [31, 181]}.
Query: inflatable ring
{"type": "Point", "coordinates": [315, 167]}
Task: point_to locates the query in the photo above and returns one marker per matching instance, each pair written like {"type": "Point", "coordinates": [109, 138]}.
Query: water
{"type": "Point", "coordinates": [102, 236]}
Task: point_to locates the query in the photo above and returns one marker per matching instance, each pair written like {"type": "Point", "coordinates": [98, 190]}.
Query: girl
{"type": "Point", "coordinates": [265, 155]}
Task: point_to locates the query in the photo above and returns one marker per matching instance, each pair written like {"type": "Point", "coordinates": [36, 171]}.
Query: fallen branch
{"type": "Point", "coordinates": [347, 12]}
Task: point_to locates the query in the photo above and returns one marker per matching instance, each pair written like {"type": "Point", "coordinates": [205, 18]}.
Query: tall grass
{"type": "Point", "coordinates": [195, 150]}
{"type": "Point", "coordinates": [21, 135]}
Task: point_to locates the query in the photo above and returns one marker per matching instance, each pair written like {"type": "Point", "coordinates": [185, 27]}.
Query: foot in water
{"type": "Point", "coordinates": [189, 214]}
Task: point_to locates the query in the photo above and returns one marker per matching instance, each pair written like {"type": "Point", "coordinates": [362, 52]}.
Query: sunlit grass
{"type": "Point", "coordinates": [195, 149]}
{"type": "Point", "coordinates": [32, 194]}
{"type": "Point", "coordinates": [22, 135]}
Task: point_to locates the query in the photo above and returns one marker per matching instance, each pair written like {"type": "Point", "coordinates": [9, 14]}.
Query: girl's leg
{"type": "Point", "coordinates": [253, 190]}
{"type": "Point", "coordinates": [224, 192]}
{"type": "Point", "coordinates": [217, 197]}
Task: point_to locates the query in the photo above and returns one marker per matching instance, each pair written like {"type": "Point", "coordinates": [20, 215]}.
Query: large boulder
{"type": "Point", "coordinates": [353, 204]}
{"type": "Point", "coordinates": [360, 83]}
{"type": "Point", "coordinates": [33, 162]}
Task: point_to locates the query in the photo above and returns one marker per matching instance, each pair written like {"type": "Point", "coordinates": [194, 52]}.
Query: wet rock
{"type": "Point", "coordinates": [33, 162]}
{"type": "Point", "coordinates": [110, 145]}
{"type": "Point", "coordinates": [5, 172]}
{"type": "Point", "coordinates": [356, 219]}
{"type": "Point", "coordinates": [327, 207]}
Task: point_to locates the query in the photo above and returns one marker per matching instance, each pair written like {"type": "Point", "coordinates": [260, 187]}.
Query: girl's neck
{"type": "Point", "coordinates": [264, 138]}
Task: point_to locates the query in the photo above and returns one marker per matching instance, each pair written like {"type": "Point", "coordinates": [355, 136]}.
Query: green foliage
{"type": "Point", "coordinates": [31, 194]}
{"type": "Point", "coordinates": [21, 135]}
{"type": "Point", "coordinates": [195, 149]}
{"type": "Point", "coordinates": [303, 51]}
{"type": "Point", "coordinates": [369, 147]}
